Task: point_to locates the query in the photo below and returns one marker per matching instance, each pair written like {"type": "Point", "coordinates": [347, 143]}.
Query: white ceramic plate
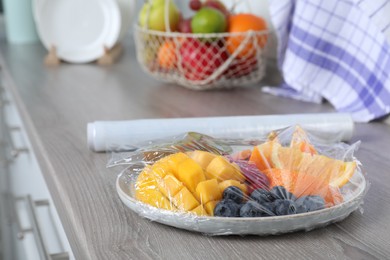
{"type": "Point", "coordinates": [353, 193]}
{"type": "Point", "coordinates": [78, 29]}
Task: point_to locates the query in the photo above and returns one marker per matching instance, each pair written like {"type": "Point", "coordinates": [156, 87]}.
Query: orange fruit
{"type": "Point", "coordinates": [241, 23]}
{"type": "Point", "coordinates": [286, 158]}
{"type": "Point", "coordinates": [166, 56]}
{"type": "Point", "coordinates": [301, 184]}
{"type": "Point", "coordinates": [335, 172]}
{"type": "Point", "coordinates": [333, 196]}
{"type": "Point", "coordinates": [281, 177]}
{"type": "Point", "coordinates": [261, 155]}
{"type": "Point", "coordinates": [301, 141]}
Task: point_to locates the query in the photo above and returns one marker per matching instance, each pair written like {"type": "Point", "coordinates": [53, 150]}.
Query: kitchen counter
{"type": "Point", "coordinates": [57, 103]}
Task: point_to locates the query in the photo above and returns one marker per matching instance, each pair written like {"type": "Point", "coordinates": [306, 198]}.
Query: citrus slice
{"type": "Point", "coordinates": [346, 172]}
{"type": "Point", "coordinates": [286, 158]}
{"type": "Point", "coordinates": [301, 141]}
{"type": "Point", "coordinates": [281, 177]}
{"type": "Point", "coordinates": [261, 155]}
{"type": "Point", "coordinates": [301, 184]}
{"type": "Point", "coordinates": [336, 172]}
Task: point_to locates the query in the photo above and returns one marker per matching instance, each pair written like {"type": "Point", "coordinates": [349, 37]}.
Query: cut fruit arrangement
{"type": "Point", "coordinates": [270, 179]}
{"type": "Point", "coordinates": [214, 47]}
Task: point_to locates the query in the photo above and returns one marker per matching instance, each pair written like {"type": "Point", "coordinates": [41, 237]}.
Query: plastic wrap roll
{"type": "Point", "coordinates": [123, 135]}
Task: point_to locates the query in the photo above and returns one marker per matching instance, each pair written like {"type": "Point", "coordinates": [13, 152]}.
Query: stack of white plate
{"type": "Point", "coordinates": [81, 29]}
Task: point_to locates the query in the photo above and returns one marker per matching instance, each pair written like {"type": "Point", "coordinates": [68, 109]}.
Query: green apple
{"type": "Point", "coordinates": [208, 20]}
{"type": "Point", "coordinates": [152, 15]}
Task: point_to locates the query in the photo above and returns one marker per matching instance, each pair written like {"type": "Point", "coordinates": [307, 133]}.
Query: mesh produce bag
{"type": "Point", "coordinates": [202, 61]}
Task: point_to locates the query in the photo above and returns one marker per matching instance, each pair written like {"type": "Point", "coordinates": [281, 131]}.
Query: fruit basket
{"type": "Point", "coordinates": [273, 185]}
{"type": "Point", "coordinates": [195, 52]}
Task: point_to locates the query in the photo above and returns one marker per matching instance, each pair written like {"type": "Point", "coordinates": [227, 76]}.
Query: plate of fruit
{"type": "Point", "coordinates": [214, 47]}
{"type": "Point", "coordinates": [265, 187]}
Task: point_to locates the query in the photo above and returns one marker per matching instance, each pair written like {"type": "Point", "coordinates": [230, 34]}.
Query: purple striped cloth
{"type": "Point", "coordinates": [336, 50]}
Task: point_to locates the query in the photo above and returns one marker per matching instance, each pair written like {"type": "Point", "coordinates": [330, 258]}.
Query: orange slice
{"type": "Point", "coordinates": [335, 172]}
{"type": "Point", "coordinates": [301, 184]}
{"type": "Point", "coordinates": [261, 155]}
{"type": "Point", "coordinates": [346, 172]}
{"type": "Point", "coordinates": [301, 141]}
{"type": "Point", "coordinates": [281, 177]}
{"type": "Point", "coordinates": [286, 158]}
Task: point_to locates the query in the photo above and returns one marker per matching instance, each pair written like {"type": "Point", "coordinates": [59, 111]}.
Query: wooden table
{"type": "Point", "coordinates": [57, 103]}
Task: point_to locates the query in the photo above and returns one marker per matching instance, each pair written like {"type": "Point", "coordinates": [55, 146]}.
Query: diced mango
{"type": "Point", "coordinates": [170, 186]}
{"type": "Point", "coordinates": [184, 200]}
{"type": "Point", "coordinates": [190, 173]}
{"type": "Point", "coordinates": [220, 169]}
{"type": "Point", "coordinates": [174, 160]}
{"type": "Point", "coordinates": [161, 169]}
{"type": "Point", "coordinates": [202, 158]}
{"type": "Point", "coordinates": [146, 180]}
{"type": "Point", "coordinates": [224, 184]}
{"type": "Point", "coordinates": [209, 206]}
{"type": "Point", "coordinates": [200, 211]}
{"type": "Point", "coordinates": [208, 190]}
{"type": "Point", "coordinates": [154, 198]}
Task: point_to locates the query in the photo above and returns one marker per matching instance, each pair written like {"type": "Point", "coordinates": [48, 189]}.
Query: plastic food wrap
{"type": "Point", "coordinates": [281, 183]}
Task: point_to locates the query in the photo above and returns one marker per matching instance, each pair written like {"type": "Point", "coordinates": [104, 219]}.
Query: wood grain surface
{"type": "Point", "coordinates": [57, 103]}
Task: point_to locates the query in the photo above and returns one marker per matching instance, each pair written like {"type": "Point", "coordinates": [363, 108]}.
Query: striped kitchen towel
{"type": "Point", "coordinates": [336, 50]}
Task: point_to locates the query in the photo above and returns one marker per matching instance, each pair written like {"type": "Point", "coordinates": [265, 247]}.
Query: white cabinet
{"type": "Point", "coordinates": [30, 226]}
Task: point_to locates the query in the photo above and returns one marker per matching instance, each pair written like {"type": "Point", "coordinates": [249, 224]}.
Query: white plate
{"type": "Point", "coordinates": [78, 29]}
{"type": "Point", "coordinates": [353, 193]}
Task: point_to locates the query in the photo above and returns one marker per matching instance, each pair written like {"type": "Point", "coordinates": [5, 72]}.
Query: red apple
{"type": "Point", "coordinates": [185, 25]}
{"type": "Point", "coordinates": [241, 67]}
{"type": "Point", "coordinates": [201, 59]}
{"type": "Point", "coordinates": [195, 5]}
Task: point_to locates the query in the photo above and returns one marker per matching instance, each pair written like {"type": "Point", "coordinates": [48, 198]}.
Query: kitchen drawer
{"type": "Point", "coordinates": [30, 222]}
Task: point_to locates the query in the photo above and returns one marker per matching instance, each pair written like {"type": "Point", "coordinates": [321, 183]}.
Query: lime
{"type": "Point", "coordinates": [208, 20]}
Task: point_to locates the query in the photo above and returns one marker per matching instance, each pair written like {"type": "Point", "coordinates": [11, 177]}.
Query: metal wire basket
{"type": "Point", "coordinates": [202, 61]}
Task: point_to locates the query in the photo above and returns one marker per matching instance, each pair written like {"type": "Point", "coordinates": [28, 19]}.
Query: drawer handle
{"type": "Point", "coordinates": [36, 230]}
{"type": "Point", "coordinates": [16, 151]}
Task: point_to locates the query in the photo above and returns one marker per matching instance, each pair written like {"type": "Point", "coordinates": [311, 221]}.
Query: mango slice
{"type": "Point", "coordinates": [190, 173]}
{"type": "Point", "coordinates": [202, 158]}
{"type": "Point", "coordinates": [146, 190]}
{"type": "Point", "coordinates": [174, 160]}
{"type": "Point", "coordinates": [209, 206]}
{"type": "Point", "coordinates": [184, 200]}
{"type": "Point", "coordinates": [178, 182]}
{"type": "Point", "coordinates": [200, 211]}
{"type": "Point", "coordinates": [208, 190]}
{"type": "Point", "coordinates": [220, 169]}
{"type": "Point", "coordinates": [154, 198]}
{"type": "Point", "coordinates": [170, 186]}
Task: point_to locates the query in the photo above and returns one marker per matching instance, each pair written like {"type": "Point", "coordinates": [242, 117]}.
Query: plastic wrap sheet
{"type": "Point", "coordinates": [281, 182]}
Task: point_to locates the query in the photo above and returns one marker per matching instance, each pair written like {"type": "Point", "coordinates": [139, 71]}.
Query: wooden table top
{"type": "Point", "coordinates": [57, 103]}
